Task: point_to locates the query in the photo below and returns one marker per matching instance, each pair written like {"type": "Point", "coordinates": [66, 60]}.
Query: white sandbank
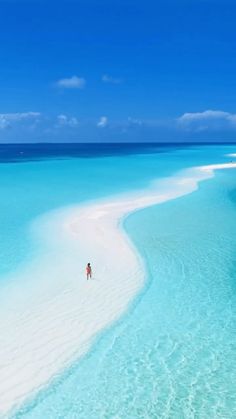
{"type": "Point", "coordinates": [49, 312]}
{"type": "Point", "coordinates": [231, 155]}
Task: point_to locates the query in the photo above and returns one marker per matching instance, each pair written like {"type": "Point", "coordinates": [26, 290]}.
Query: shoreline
{"type": "Point", "coordinates": [54, 320]}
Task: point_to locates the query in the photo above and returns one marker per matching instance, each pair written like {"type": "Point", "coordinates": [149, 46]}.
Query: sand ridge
{"type": "Point", "coordinates": [51, 313]}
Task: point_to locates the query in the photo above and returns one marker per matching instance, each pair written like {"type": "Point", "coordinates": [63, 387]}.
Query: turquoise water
{"type": "Point", "coordinates": [172, 355]}
{"type": "Point", "coordinates": [31, 187]}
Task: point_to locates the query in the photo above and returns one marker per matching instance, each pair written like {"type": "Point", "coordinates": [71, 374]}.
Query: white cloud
{"type": "Point", "coordinates": [64, 120]}
{"type": "Point", "coordinates": [102, 122]}
{"type": "Point", "coordinates": [199, 116]}
{"type": "Point", "coordinates": [134, 121]}
{"type": "Point", "coordinates": [73, 82]}
{"type": "Point", "coordinates": [109, 79]}
{"type": "Point", "coordinates": [6, 119]}
{"type": "Point", "coordinates": [207, 120]}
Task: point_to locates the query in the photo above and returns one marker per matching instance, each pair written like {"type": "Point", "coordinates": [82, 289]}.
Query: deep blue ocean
{"type": "Point", "coordinates": [172, 354]}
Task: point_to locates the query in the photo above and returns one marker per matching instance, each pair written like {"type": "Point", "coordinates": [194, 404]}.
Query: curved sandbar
{"type": "Point", "coordinates": [49, 313]}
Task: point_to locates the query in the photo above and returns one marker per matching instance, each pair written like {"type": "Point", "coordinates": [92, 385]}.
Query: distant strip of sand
{"type": "Point", "coordinates": [231, 155]}
{"type": "Point", "coordinates": [49, 312]}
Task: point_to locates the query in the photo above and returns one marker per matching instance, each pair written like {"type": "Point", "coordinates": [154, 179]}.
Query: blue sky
{"type": "Point", "coordinates": [112, 70]}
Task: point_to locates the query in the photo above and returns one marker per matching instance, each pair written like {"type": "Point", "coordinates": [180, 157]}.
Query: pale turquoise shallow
{"type": "Point", "coordinates": [172, 355]}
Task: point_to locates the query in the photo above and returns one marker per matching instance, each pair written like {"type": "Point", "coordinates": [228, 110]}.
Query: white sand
{"type": "Point", "coordinates": [49, 312]}
{"type": "Point", "coordinates": [231, 155]}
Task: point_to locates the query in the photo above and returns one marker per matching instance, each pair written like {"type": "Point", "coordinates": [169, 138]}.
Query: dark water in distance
{"type": "Point", "coordinates": [25, 152]}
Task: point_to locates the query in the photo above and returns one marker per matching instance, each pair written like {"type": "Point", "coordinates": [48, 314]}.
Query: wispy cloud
{"type": "Point", "coordinates": [199, 116]}
{"type": "Point", "coordinates": [103, 122]}
{"type": "Point", "coordinates": [69, 121]}
{"type": "Point", "coordinates": [207, 120]}
{"type": "Point", "coordinates": [134, 121]}
{"type": "Point", "coordinates": [109, 79]}
{"type": "Point", "coordinates": [73, 82]}
{"type": "Point", "coordinates": [7, 119]}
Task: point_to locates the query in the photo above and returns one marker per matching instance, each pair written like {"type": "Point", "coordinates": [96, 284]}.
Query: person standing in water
{"type": "Point", "coordinates": [88, 271]}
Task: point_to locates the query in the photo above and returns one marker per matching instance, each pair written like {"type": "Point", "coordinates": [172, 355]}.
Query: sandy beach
{"type": "Point", "coordinates": [52, 320]}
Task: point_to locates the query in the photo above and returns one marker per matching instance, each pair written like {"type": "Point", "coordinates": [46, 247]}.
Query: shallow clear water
{"type": "Point", "coordinates": [172, 355]}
